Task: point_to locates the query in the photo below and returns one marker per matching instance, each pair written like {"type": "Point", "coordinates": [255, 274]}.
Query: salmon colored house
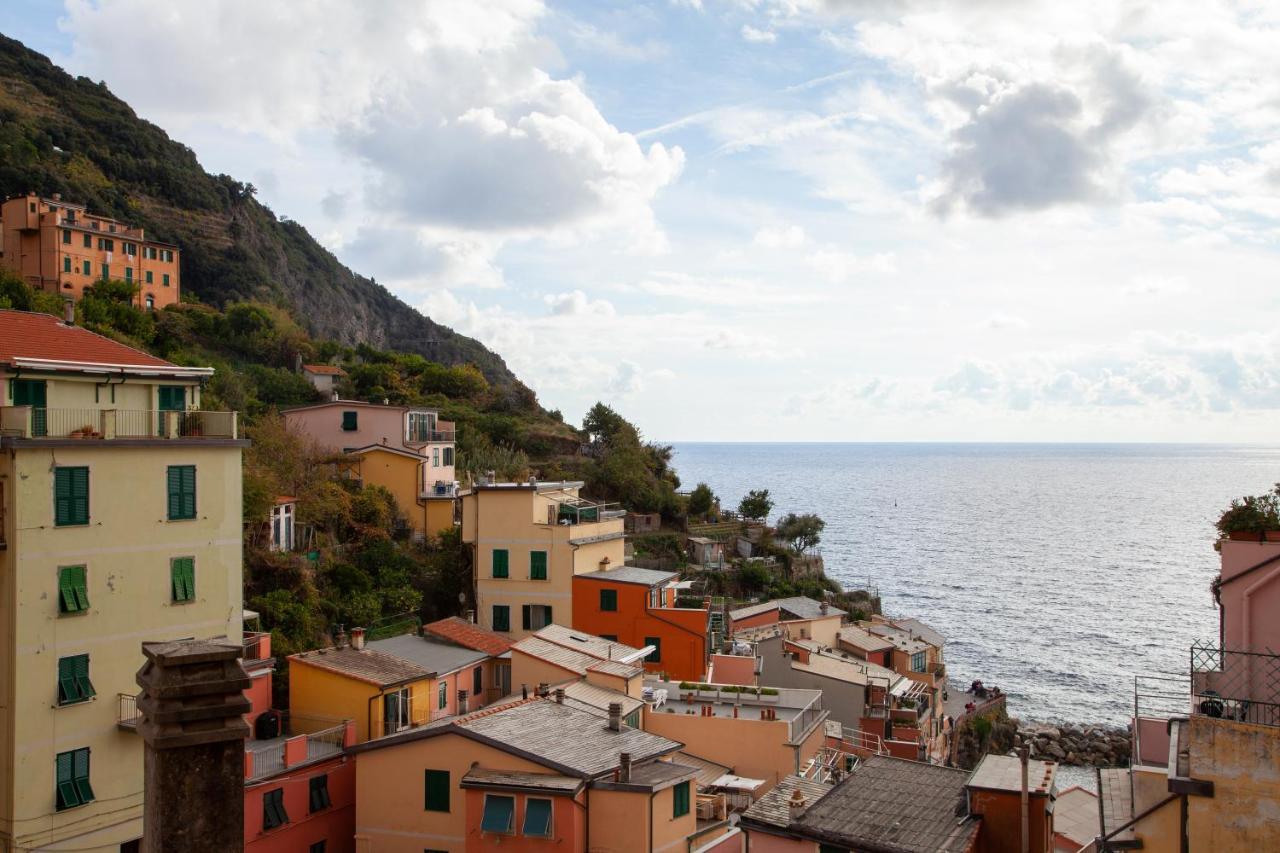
{"type": "Point", "coordinates": [801, 617]}
{"type": "Point", "coordinates": [60, 247]}
{"type": "Point", "coordinates": [299, 789]}
{"type": "Point", "coordinates": [534, 774]}
{"type": "Point", "coordinates": [593, 671]}
{"type": "Point", "coordinates": [469, 635]}
{"type": "Point", "coordinates": [638, 607]}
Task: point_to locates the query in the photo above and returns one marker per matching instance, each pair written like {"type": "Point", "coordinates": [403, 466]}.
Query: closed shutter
{"type": "Point", "coordinates": [350, 421]}
{"type": "Point", "coordinates": [183, 572]}
{"type": "Point", "coordinates": [680, 800]}
{"type": "Point", "coordinates": [538, 565]}
{"type": "Point", "coordinates": [319, 792]}
{"type": "Point", "coordinates": [437, 791]}
{"type": "Point", "coordinates": [80, 669]}
{"type": "Point", "coordinates": [609, 600]}
{"type": "Point", "coordinates": [501, 561]}
{"type": "Point", "coordinates": [525, 616]}
{"type": "Point", "coordinates": [181, 484]}
{"type": "Point", "coordinates": [501, 617]}
{"type": "Point", "coordinates": [71, 496]}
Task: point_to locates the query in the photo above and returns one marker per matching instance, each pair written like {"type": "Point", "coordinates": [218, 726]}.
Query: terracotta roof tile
{"type": "Point", "coordinates": [324, 370]}
{"type": "Point", "coordinates": [26, 334]}
{"type": "Point", "coordinates": [470, 635]}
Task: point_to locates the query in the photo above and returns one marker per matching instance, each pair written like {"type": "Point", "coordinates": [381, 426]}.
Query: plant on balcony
{"type": "Point", "coordinates": [1251, 517]}
{"type": "Point", "coordinates": [908, 704]}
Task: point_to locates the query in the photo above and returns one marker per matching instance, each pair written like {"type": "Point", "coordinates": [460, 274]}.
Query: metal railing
{"type": "Point", "coordinates": [270, 757]}
{"type": "Point", "coordinates": [254, 647]}
{"type": "Point", "coordinates": [586, 512]}
{"type": "Point", "coordinates": [801, 722]}
{"type": "Point", "coordinates": [127, 713]}
{"type": "Point", "coordinates": [89, 423]}
{"type": "Point", "coordinates": [1243, 686]}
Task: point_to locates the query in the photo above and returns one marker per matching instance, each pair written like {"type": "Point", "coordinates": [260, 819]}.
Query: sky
{"type": "Point", "coordinates": [769, 220]}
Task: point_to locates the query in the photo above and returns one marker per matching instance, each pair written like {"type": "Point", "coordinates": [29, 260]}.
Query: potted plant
{"type": "Point", "coordinates": [1253, 518]}
{"type": "Point", "coordinates": [85, 431]}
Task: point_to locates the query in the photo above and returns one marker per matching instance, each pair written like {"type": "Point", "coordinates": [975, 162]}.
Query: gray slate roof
{"type": "Point", "coordinates": [661, 774]}
{"type": "Point", "coordinates": [923, 631]}
{"type": "Point", "coordinates": [482, 777]}
{"type": "Point", "coordinates": [366, 664]}
{"type": "Point", "coordinates": [590, 644]}
{"type": "Point", "coordinates": [801, 607]}
{"type": "Point", "coordinates": [774, 809]}
{"type": "Point", "coordinates": [891, 804]}
{"type": "Point", "coordinates": [596, 699]}
{"type": "Point", "coordinates": [432, 655]}
{"type": "Point", "coordinates": [752, 610]}
{"type": "Point", "coordinates": [631, 574]}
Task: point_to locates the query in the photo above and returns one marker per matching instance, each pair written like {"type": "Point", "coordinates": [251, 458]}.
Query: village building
{"type": "Point", "coordinates": [527, 542]}
{"type": "Point", "coordinates": [323, 377]}
{"type": "Point", "coordinates": [556, 657]}
{"type": "Point", "coordinates": [801, 617]}
{"type": "Point", "coordinates": [120, 521]}
{"type": "Point", "coordinates": [466, 633]}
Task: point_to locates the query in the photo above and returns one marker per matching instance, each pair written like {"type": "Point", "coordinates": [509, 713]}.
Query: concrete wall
{"type": "Point", "coordinates": [320, 698]}
{"type": "Point", "coordinates": [764, 842]}
{"type": "Point", "coordinates": [126, 549]}
{"type": "Point", "coordinates": [844, 700]}
{"type": "Point", "coordinates": [1243, 762]}
{"type": "Point", "coordinates": [734, 669]}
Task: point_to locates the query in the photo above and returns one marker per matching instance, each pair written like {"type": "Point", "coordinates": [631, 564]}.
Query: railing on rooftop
{"type": "Point", "coordinates": [267, 758]}
{"type": "Point", "coordinates": [88, 423]}
{"type": "Point", "coordinates": [1243, 686]}
{"type": "Point", "coordinates": [808, 716]}
{"type": "Point", "coordinates": [578, 511]}
{"type": "Point", "coordinates": [256, 645]}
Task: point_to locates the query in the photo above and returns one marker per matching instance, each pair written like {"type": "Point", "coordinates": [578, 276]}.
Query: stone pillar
{"type": "Point", "coordinates": [193, 730]}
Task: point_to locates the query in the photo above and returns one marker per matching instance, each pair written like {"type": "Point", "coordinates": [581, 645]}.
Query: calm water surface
{"type": "Point", "coordinates": [1057, 572]}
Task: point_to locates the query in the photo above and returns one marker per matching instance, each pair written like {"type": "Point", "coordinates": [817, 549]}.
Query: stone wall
{"type": "Point", "coordinates": [1081, 746]}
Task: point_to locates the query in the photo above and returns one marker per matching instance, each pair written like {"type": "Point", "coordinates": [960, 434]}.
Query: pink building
{"type": "Point", "coordinates": [345, 425]}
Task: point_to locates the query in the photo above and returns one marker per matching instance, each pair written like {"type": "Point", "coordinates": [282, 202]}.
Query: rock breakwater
{"type": "Point", "coordinates": [1077, 745]}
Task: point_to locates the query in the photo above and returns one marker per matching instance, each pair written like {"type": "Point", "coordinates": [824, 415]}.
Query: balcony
{"type": "Point", "coordinates": [1242, 686]}
{"type": "Point", "coordinates": [440, 489]}
{"type": "Point", "coordinates": [266, 758]}
{"type": "Point", "coordinates": [582, 511]}
{"type": "Point", "coordinates": [99, 424]}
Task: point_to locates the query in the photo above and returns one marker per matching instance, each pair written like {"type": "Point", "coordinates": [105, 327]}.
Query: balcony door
{"type": "Point", "coordinates": [33, 393]}
{"type": "Point", "coordinates": [173, 398]}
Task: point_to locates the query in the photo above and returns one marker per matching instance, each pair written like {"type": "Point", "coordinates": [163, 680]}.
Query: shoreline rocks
{"type": "Point", "coordinates": [1077, 745]}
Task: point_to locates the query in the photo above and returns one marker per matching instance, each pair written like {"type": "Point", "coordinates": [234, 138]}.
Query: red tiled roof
{"type": "Point", "coordinates": [26, 334]}
{"type": "Point", "coordinates": [324, 369]}
{"type": "Point", "coordinates": [469, 635]}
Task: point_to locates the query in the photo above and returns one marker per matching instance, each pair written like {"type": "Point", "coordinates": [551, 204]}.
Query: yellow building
{"type": "Point", "coordinates": [527, 542]}
{"type": "Point", "coordinates": [399, 472]}
{"type": "Point", "coordinates": [120, 523]}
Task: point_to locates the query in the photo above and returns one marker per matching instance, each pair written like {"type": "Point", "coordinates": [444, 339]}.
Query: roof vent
{"type": "Point", "coordinates": [357, 639]}
{"type": "Point", "coordinates": [69, 311]}
{"type": "Point", "coordinates": [796, 801]}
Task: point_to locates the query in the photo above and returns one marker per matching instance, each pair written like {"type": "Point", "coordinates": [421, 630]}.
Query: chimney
{"type": "Point", "coordinates": [462, 701]}
{"type": "Point", "coordinates": [333, 396]}
{"type": "Point", "coordinates": [471, 616]}
{"type": "Point", "coordinates": [615, 716]}
{"type": "Point", "coordinates": [796, 802]}
{"type": "Point", "coordinates": [357, 639]}
{"type": "Point", "coordinates": [823, 608]}
{"type": "Point", "coordinates": [57, 196]}
{"type": "Point", "coordinates": [524, 691]}
{"type": "Point", "coordinates": [559, 695]}
{"type": "Point", "coordinates": [624, 767]}
{"type": "Point", "coordinates": [543, 689]}
{"type": "Point", "coordinates": [341, 640]}
{"type": "Point", "coordinates": [68, 312]}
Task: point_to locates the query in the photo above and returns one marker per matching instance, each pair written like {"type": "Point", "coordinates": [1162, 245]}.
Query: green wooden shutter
{"type": "Point", "coordinates": [66, 681]}
{"type": "Point", "coordinates": [181, 482]}
{"type": "Point", "coordinates": [80, 669]}
{"type": "Point", "coordinates": [655, 656]}
{"type": "Point", "coordinates": [188, 491]}
{"type": "Point", "coordinates": [80, 495]}
{"type": "Point", "coordinates": [538, 565]}
{"type": "Point", "coordinates": [80, 772]}
{"type": "Point", "coordinates": [501, 562]}
{"type": "Point", "coordinates": [73, 592]}
{"type": "Point", "coordinates": [501, 617]}
{"type": "Point", "coordinates": [437, 791]}
{"type": "Point", "coordinates": [524, 616]}
{"type": "Point", "coordinates": [70, 496]}
{"type": "Point", "coordinates": [350, 421]}
{"type": "Point", "coordinates": [66, 787]}
{"type": "Point", "coordinates": [183, 573]}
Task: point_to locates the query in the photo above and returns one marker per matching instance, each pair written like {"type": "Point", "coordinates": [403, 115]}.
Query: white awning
{"type": "Point", "coordinates": [739, 783]}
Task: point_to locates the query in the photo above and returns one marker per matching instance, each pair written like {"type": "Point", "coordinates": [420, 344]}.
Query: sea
{"type": "Point", "coordinates": [1057, 572]}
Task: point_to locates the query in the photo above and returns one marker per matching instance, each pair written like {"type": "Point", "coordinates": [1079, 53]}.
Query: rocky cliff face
{"type": "Point", "coordinates": [72, 136]}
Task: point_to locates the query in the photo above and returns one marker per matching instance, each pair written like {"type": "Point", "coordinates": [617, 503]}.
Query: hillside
{"type": "Point", "coordinates": [71, 135]}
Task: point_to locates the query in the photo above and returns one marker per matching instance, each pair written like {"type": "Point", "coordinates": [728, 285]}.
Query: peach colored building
{"type": "Point", "coordinates": [533, 774]}
{"type": "Point", "coordinates": [60, 247]}
{"type": "Point", "coordinates": [801, 617]}
{"type": "Point", "coordinates": [556, 656]}
{"type": "Point", "coordinates": [408, 450]}
{"type": "Point", "coordinates": [638, 607]}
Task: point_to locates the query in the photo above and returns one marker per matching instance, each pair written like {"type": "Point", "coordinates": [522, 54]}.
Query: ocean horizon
{"type": "Point", "coordinates": [1057, 571]}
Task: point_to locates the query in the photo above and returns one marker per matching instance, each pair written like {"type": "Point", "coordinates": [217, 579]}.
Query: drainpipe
{"type": "Point", "coordinates": [1024, 753]}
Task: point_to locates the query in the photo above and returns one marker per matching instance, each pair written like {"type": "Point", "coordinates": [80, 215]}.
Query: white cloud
{"type": "Point", "coordinates": [838, 266]}
{"type": "Point", "coordinates": [575, 303]}
{"type": "Point", "coordinates": [755, 36]}
{"type": "Point", "coordinates": [784, 237]}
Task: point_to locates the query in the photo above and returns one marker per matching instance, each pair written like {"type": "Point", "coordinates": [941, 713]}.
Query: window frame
{"type": "Point", "coordinates": [505, 610]}
{"type": "Point", "coordinates": [74, 684]}
{"type": "Point", "coordinates": [503, 565]}
{"type": "Point", "coordinates": [437, 776]}
{"type": "Point", "coordinates": [608, 601]}
{"type": "Point", "coordinates": [654, 656]}
{"type": "Point", "coordinates": [533, 566]}
{"type": "Point", "coordinates": [72, 788]}
{"type": "Point", "coordinates": [181, 504]}
{"type": "Point", "coordinates": [443, 699]}
{"type": "Point", "coordinates": [923, 661]}
{"type": "Point", "coordinates": [274, 813]}
{"type": "Point", "coordinates": [318, 794]}
{"type": "Point", "coordinates": [511, 817]}
{"type": "Point", "coordinates": [551, 818]}
{"type": "Point", "coordinates": [182, 579]}
{"type": "Point", "coordinates": [477, 681]}
{"type": "Point", "coordinates": [350, 418]}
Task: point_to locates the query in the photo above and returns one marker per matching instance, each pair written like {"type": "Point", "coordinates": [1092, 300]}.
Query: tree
{"type": "Point", "coordinates": [701, 500]}
{"type": "Point", "coordinates": [756, 505]}
{"type": "Point", "coordinates": [801, 532]}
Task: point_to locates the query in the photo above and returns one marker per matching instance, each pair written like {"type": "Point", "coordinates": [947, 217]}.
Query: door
{"type": "Point", "coordinates": [173, 398]}
{"type": "Point", "coordinates": [32, 392]}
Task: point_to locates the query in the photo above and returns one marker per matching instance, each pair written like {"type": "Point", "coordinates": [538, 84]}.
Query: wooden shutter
{"type": "Point", "coordinates": [183, 572]}
{"type": "Point", "coordinates": [71, 496]}
{"type": "Point", "coordinates": [500, 562]}
{"type": "Point", "coordinates": [437, 791]}
{"type": "Point", "coordinates": [538, 565]}
{"type": "Point", "coordinates": [67, 681]}
{"type": "Point", "coordinates": [81, 774]}
{"type": "Point", "coordinates": [67, 796]}
{"type": "Point", "coordinates": [319, 792]}
{"type": "Point", "coordinates": [524, 616]}
{"type": "Point", "coordinates": [73, 593]}
{"type": "Point", "coordinates": [188, 491]}
{"type": "Point", "coordinates": [80, 670]}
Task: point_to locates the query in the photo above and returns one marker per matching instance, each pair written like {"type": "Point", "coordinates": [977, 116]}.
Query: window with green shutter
{"type": "Point", "coordinates": [501, 561]}
{"type": "Point", "coordinates": [86, 268]}
{"type": "Point", "coordinates": [128, 273]}
{"type": "Point", "coordinates": [350, 420]}
{"type": "Point", "coordinates": [538, 565]}
{"type": "Point", "coordinates": [70, 496]}
{"type": "Point", "coordinates": [73, 788]}
{"type": "Point", "coordinates": [680, 800]}
{"type": "Point", "coordinates": [183, 573]}
{"type": "Point", "coordinates": [501, 617]}
{"type": "Point", "coordinates": [66, 236]}
{"type": "Point", "coordinates": [73, 589]}
{"type": "Point", "coordinates": [320, 792]}
{"type": "Point", "coordinates": [609, 600]}
{"type": "Point", "coordinates": [273, 811]}
{"type": "Point", "coordinates": [73, 680]}
{"type": "Point", "coordinates": [182, 492]}
{"type": "Point", "coordinates": [537, 817]}
{"type": "Point", "coordinates": [437, 791]}
{"type": "Point", "coordinates": [66, 263]}
{"type": "Point", "coordinates": [655, 656]}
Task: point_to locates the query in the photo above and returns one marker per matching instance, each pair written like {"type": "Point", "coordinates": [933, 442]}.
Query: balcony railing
{"type": "Point", "coordinates": [90, 424]}
{"type": "Point", "coordinates": [587, 512]}
{"type": "Point", "coordinates": [127, 713]}
{"type": "Point", "coordinates": [1243, 686]}
{"type": "Point", "coordinates": [267, 758]}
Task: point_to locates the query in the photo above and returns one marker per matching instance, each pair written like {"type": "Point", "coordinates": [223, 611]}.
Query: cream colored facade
{"type": "Point", "coordinates": [126, 548]}
{"type": "Point", "coordinates": [524, 519]}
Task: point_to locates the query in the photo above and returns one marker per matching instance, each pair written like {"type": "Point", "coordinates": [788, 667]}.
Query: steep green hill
{"type": "Point", "coordinates": [70, 135]}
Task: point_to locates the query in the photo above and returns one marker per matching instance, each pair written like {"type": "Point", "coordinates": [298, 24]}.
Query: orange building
{"type": "Point", "coordinates": [60, 247]}
{"type": "Point", "coordinates": [637, 607]}
{"type": "Point", "coordinates": [995, 795]}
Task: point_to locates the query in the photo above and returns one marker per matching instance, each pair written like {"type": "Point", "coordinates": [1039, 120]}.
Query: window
{"type": "Point", "coordinates": [182, 492]}
{"type": "Point", "coordinates": [148, 276]}
{"type": "Point", "coordinates": [444, 695]}
{"type": "Point", "coordinates": [273, 813]}
{"type": "Point", "coordinates": [165, 280]}
{"type": "Point", "coordinates": [318, 847]}
{"type": "Point", "coordinates": [609, 600]}
{"type": "Point", "coordinates": [499, 814]}
{"type": "Point", "coordinates": [151, 302]}
{"type": "Point", "coordinates": [131, 249]}
{"type": "Point", "coordinates": [420, 426]}
{"type": "Point", "coordinates": [500, 562]}
{"type": "Point", "coordinates": [613, 638]}
{"type": "Point", "coordinates": [535, 616]}
{"type": "Point", "coordinates": [66, 263]}
{"type": "Point", "coordinates": [106, 272]}
{"type": "Point", "coordinates": [537, 817]}
{"type": "Point", "coordinates": [917, 662]}
{"type": "Point", "coordinates": [73, 590]}
{"type": "Point", "coordinates": [501, 617]}
{"type": "Point", "coordinates": [477, 681]}
{"type": "Point", "coordinates": [435, 457]}
{"type": "Point", "coordinates": [448, 456]}
{"type": "Point", "coordinates": [395, 711]}
{"type": "Point", "coordinates": [538, 565]}
{"type": "Point", "coordinates": [437, 793]}
{"type": "Point", "coordinates": [350, 420]}
{"type": "Point", "coordinates": [680, 800]}
{"type": "Point", "coordinates": [106, 245]}
{"type": "Point", "coordinates": [73, 779]}
{"type": "Point", "coordinates": [73, 680]}
{"type": "Point", "coordinates": [128, 273]}
{"type": "Point", "coordinates": [655, 656]}
{"type": "Point", "coordinates": [88, 270]}
{"type": "Point", "coordinates": [70, 496]}
{"type": "Point", "coordinates": [88, 241]}
{"type": "Point", "coordinates": [319, 792]}
{"type": "Point", "coordinates": [66, 236]}
{"type": "Point", "coordinates": [182, 573]}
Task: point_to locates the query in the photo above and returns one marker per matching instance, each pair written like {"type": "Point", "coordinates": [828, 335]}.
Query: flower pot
{"type": "Point", "coordinates": [1245, 536]}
